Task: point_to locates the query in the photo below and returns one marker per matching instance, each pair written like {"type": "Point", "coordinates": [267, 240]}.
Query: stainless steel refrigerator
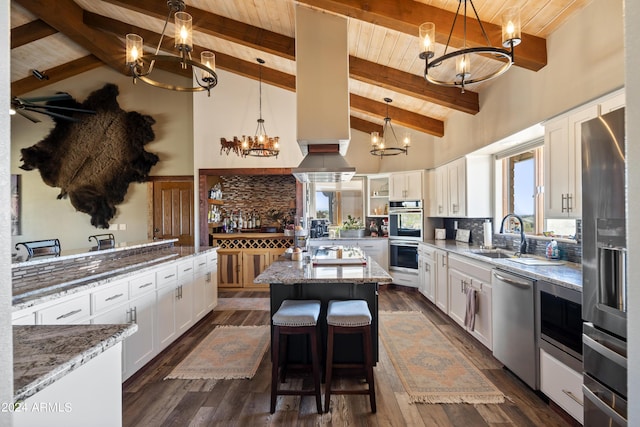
{"type": "Point", "coordinates": [604, 275]}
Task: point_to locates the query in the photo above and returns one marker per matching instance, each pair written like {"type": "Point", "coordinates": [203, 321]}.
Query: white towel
{"type": "Point", "coordinates": [472, 308]}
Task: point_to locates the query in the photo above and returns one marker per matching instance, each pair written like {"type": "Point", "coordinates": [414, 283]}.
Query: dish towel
{"type": "Point", "coordinates": [472, 308]}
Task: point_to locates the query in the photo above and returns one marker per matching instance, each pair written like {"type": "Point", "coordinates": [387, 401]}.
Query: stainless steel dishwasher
{"type": "Point", "coordinates": [514, 335]}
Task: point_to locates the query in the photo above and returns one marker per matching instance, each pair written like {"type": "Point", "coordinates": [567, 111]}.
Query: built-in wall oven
{"type": "Point", "coordinates": [403, 262]}
{"type": "Point", "coordinates": [406, 220]}
{"type": "Point", "coordinates": [559, 323]}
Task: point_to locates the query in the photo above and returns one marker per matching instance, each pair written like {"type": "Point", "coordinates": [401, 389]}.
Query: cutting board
{"type": "Point", "coordinates": [462, 235]}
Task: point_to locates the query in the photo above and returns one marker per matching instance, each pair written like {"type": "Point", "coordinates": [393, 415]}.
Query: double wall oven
{"type": "Point", "coordinates": [405, 232]}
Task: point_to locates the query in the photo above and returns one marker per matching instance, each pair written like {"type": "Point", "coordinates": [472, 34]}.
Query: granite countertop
{"type": "Point", "coordinates": [29, 291]}
{"type": "Point", "coordinates": [44, 354]}
{"type": "Point", "coordinates": [289, 272]}
{"type": "Point", "coordinates": [566, 274]}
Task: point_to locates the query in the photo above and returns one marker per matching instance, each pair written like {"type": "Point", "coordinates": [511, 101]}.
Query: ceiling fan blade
{"type": "Point", "coordinates": [28, 116]}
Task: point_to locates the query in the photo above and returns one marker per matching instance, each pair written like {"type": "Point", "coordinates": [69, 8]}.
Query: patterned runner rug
{"type": "Point", "coordinates": [228, 352]}
{"type": "Point", "coordinates": [431, 369]}
{"type": "Point", "coordinates": [243, 304]}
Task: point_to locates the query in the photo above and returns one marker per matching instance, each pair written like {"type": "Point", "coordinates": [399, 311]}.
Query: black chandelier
{"type": "Point", "coordinates": [379, 145]}
{"type": "Point", "coordinates": [511, 37]}
{"type": "Point", "coordinates": [141, 66]}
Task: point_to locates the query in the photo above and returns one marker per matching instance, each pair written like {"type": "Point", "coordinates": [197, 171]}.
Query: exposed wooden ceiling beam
{"type": "Point", "coordinates": [364, 125]}
{"type": "Point", "coordinates": [412, 85]}
{"type": "Point", "coordinates": [66, 17]}
{"type": "Point", "coordinates": [398, 116]}
{"type": "Point", "coordinates": [223, 61]}
{"type": "Point", "coordinates": [30, 32]}
{"type": "Point", "coordinates": [406, 16]}
{"type": "Point", "coordinates": [56, 74]}
{"type": "Point", "coordinates": [220, 26]}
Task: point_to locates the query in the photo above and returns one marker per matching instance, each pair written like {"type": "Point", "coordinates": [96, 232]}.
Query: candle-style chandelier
{"type": "Point", "coordinates": [141, 66]}
{"type": "Point", "coordinates": [511, 37]}
{"type": "Point", "coordinates": [380, 145]}
{"type": "Point", "coordinates": [260, 145]}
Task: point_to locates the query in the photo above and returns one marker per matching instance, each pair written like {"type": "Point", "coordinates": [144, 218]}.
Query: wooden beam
{"type": "Point", "coordinates": [223, 61]}
{"type": "Point", "coordinates": [30, 32]}
{"type": "Point", "coordinates": [56, 74]}
{"type": "Point", "coordinates": [412, 85]}
{"type": "Point", "coordinates": [66, 17]}
{"type": "Point", "coordinates": [220, 26]}
{"type": "Point", "coordinates": [398, 116]}
{"type": "Point", "coordinates": [364, 125]}
{"type": "Point", "coordinates": [406, 16]}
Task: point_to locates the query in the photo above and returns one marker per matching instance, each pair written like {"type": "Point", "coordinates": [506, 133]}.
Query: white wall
{"type": "Point", "coordinates": [6, 331]}
{"type": "Point", "coordinates": [632, 86]}
{"type": "Point", "coordinates": [45, 217]}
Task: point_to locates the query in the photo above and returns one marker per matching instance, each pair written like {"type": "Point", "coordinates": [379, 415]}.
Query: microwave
{"type": "Point", "coordinates": [406, 220]}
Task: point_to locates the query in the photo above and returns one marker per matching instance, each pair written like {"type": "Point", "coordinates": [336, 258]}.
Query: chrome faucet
{"type": "Point", "coordinates": [523, 240]}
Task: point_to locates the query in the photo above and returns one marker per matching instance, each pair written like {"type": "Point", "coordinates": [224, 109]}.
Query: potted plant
{"type": "Point", "coordinates": [352, 227]}
{"type": "Point", "coordinates": [275, 218]}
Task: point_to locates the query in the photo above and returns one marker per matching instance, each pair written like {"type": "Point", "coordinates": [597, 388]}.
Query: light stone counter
{"type": "Point", "coordinates": [44, 354]}
{"type": "Point", "coordinates": [567, 274]}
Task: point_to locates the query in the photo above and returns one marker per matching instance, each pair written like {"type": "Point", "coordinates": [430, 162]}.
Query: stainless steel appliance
{"type": "Point", "coordinates": [559, 323]}
{"type": "Point", "coordinates": [604, 276]}
{"type": "Point", "coordinates": [406, 220]}
{"type": "Point", "coordinates": [319, 228]}
{"type": "Point", "coordinates": [403, 262]}
{"type": "Point", "coordinates": [514, 337]}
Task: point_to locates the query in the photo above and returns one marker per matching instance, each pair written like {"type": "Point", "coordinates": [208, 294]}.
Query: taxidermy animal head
{"type": "Point", "coordinates": [94, 159]}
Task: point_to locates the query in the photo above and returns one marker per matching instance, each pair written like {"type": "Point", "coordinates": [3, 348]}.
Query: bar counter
{"type": "Point", "coordinates": [302, 280]}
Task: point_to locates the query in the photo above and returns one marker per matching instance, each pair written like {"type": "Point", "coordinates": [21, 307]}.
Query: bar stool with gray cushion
{"type": "Point", "coordinates": [350, 317]}
{"type": "Point", "coordinates": [292, 318]}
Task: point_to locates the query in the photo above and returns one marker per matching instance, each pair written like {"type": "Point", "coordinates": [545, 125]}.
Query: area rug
{"type": "Point", "coordinates": [228, 352]}
{"type": "Point", "coordinates": [430, 368]}
{"type": "Point", "coordinates": [261, 304]}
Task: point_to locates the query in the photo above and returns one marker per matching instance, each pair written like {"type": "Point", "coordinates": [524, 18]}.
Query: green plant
{"type": "Point", "coordinates": [352, 224]}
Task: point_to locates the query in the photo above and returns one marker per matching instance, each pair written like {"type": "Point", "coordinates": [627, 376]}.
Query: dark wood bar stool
{"type": "Point", "coordinates": [350, 317]}
{"type": "Point", "coordinates": [295, 317]}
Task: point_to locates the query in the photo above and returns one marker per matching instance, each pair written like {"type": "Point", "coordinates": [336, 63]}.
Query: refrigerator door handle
{"type": "Point", "coordinates": [602, 406]}
{"type": "Point", "coordinates": [604, 351]}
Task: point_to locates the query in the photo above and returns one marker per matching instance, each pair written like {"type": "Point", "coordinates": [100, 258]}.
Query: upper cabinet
{"type": "Point", "coordinates": [563, 157]}
{"type": "Point", "coordinates": [406, 186]}
{"type": "Point", "coordinates": [378, 186]}
{"type": "Point", "coordinates": [462, 188]}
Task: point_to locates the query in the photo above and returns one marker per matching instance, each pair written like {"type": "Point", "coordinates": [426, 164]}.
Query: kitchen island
{"type": "Point", "coordinates": [303, 280]}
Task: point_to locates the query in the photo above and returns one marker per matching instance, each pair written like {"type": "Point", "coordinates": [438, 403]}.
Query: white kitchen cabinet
{"type": "Point", "coordinates": [166, 293]}
{"type": "Point", "coordinates": [426, 271]}
{"type": "Point", "coordinates": [378, 191]}
{"type": "Point", "coordinates": [70, 311]}
{"type": "Point", "coordinates": [184, 296]}
{"type": "Point", "coordinates": [561, 384]}
{"type": "Point", "coordinates": [615, 101]}
{"type": "Point", "coordinates": [563, 164]}
{"type": "Point", "coordinates": [378, 249]}
{"type": "Point", "coordinates": [442, 279]}
{"type": "Point", "coordinates": [465, 274]}
{"type": "Point", "coordinates": [140, 347]}
{"type": "Point", "coordinates": [439, 202]}
{"type": "Point", "coordinates": [406, 186]}
{"type": "Point", "coordinates": [200, 302]}
{"type": "Point", "coordinates": [211, 288]}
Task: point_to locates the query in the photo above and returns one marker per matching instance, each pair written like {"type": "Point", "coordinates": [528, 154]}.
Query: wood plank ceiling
{"type": "Point", "coordinates": [67, 37]}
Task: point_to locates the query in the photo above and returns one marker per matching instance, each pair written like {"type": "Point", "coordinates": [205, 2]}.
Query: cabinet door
{"type": "Point", "coordinates": [397, 186]}
{"type": "Point", "coordinates": [229, 265]}
{"type": "Point", "coordinates": [211, 291]}
{"type": "Point", "coordinates": [199, 296]}
{"type": "Point", "coordinates": [574, 172]}
{"type": "Point", "coordinates": [413, 185]}
{"type": "Point", "coordinates": [118, 315]}
{"type": "Point", "coordinates": [556, 154]}
{"type": "Point", "coordinates": [429, 278]}
{"type": "Point", "coordinates": [458, 284]}
{"type": "Point", "coordinates": [139, 347]}
{"type": "Point", "coordinates": [441, 192]}
{"type": "Point", "coordinates": [254, 262]}
{"type": "Point", "coordinates": [421, 281]}
{"type": "Point", "coordinates": [165, 315]}
{"type": "Point", "coordinates": [456, 182]}
{"type": "Point", "coordinates": [442, 278]}
{"type": "Point", "coordinates": [184, 306]}
{"type": "Point", "coordinates": [483, 328]}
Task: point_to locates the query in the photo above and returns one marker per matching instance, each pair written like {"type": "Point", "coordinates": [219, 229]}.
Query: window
{"type": "Point", "coordinates": [522, 179]}
{"type": "Point", "coordinates": [337, 200]}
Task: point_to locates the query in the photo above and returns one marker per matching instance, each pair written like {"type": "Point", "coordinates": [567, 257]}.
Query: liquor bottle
{"type": "Point", "coordinates": [240, 220]}
{"type": "Point", "coordinates": [258, 220]}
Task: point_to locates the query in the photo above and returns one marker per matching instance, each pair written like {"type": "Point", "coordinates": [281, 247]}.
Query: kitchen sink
{"type": "Point", "coordinates": [492, 253]}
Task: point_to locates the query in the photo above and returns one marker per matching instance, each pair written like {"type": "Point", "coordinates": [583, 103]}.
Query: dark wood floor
{"type": "Point", "coordinates": [150, 401]}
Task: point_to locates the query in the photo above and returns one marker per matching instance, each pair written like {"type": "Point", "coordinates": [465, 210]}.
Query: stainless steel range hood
{"type": "Point", "coordinates": [322, 96]}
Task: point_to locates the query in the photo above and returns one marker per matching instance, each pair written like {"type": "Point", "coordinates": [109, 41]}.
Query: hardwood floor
{"type": "Point", "coordinates": [148, 400]}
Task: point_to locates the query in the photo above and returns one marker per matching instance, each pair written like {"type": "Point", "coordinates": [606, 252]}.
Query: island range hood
{"type": "Point", "coordinates": [322, 96]}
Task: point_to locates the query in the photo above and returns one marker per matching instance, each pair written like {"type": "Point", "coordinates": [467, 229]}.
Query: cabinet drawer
{"type": "Point", "coordinates": [109, 297]}
{"type": "Point", "coordinates": [75, 310]}
{"type": "Point", "coordinates": [561, 384]}
{"type": "Point", "coordinates": [166, 276]}
{"type": "Point", "coordinates": [185, 270]}
{"type": "Point", "coordinates": [200, 265]}
{"type": "Point", "coordinates": [472, 269]}
{"type": "Point", "coordinates": [212, 258]}
{"type": "Point", "coordinates": [141, 284]}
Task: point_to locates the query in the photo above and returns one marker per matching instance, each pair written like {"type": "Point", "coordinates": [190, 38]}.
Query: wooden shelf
{"type": "Point", "coordinates": [215, 202]}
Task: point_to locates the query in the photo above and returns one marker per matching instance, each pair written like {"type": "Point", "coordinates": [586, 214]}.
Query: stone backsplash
{"type": "Point", "coordinates": [260, 193]}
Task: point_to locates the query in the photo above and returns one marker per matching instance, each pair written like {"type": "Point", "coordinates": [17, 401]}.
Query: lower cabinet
{"type": "Point", "coordinates": [427, 272]}
{"type": "Point", "coordinates": [442, 280]}
{"type": "Point", "coordinates": [238, 267]}
{"type": "Point", "coordinates": [184, 297]}
{"type": "Point", "coordinates": [229, 268]}
{"type": "Point", "coordinates": [211, 280]}
{"type": "Point", "coordinates": [166, 293]}
{"type": "Point", "coordinates": [561, 384]}
{"type": "Point", "coordinates": [464, 275]}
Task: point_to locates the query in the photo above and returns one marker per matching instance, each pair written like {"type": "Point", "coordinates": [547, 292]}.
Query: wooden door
{"type": "Point", "coordinates": [229, 265]}
{"type": "Point", "coordinates": [173, 211]}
